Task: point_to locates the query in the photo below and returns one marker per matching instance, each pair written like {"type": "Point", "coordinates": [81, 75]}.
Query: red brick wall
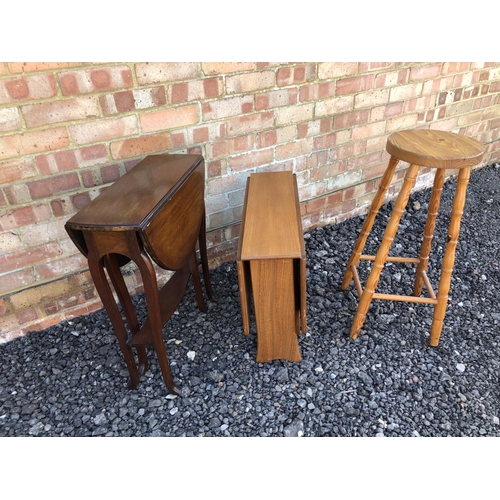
{"type": "Point", "coordinates": [68, 129]}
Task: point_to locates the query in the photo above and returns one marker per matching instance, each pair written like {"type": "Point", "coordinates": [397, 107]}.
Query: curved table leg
{"type": "Point", "coordinates": [111, 263]}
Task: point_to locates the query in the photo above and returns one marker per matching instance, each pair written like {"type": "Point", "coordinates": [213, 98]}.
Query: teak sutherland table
{"type": "Point", "coordinates": [271, 265]}
{"type": "Point", "coordinates": [155, 211]}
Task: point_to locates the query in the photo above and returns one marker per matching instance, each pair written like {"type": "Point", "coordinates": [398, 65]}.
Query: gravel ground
{"type": "Point", "coordinates": [70, 380]}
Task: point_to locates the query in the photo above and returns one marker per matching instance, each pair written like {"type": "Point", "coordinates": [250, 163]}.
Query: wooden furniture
{"type": "Point", "coordinates": [155, 212]}
{"type": "Point", "coordinates": [428, 148]}
{"type": "Point", "coordinates": [271, 265]}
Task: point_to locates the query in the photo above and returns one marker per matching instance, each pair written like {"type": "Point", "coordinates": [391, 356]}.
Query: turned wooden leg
{"type": "Point", "coordinates": [153, 304]}
{"type": "Point", "coordinates": [111, 263]}
{"type": "Point", "coordinates": [202, 243]}
{"type": "Point", "coordinates": [383, 251]}
{"type": "Point", "coordinates": [101, 283]}
{"type": "Point", "coordinates": [430, 225]}
{"type": "Point", "coordinates": [449, 256]}
{"type": "Point", "coordinates": [369, 220]}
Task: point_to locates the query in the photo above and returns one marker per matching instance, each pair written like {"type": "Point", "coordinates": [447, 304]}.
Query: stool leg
{"type": "Point", "coordinates": [429, 230]}
{"type": "Point", "coordinates": [369, 220]}
{"type": "Point", "coordinates": [383, 251]}
{"type": "Point", "coordinates": [449, 256]}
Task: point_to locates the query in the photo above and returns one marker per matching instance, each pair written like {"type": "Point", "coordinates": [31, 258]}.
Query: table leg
{"type": "Point", "coordinates": [195, 274]}
{"type": "Point", "coordinates": [116, 277]}
{"type": "Point", "coordinates": [202, 243]}
{"type": "Point", "coordinates": [101, 283]}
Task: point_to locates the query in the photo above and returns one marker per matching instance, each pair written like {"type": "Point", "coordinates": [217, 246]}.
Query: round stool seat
{"type": "Point", "coordinates": [435, 148]}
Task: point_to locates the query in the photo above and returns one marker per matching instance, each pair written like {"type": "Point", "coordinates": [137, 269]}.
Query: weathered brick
{"type": "Point", "coordinates": [336, 70]}
{"type": "Point", "coordinates": [143, 145]}
{"type": "Point", "coordinates": [9, 242]}
{"type": "Point", "coordinates": [371, 98]}
{"type": "Point", "coordinates": [33, 142]}
{"type": "Point", "coordinates": [74, 159]}
{"type": "Point", "coordinates": [151, 73]}
{"type": "Point", "coordinates": [170, 118]}
{"type": "Point", "coordinates": [104, 130]}
{"type": "Point", "coordinates": [16, 280]}
{"type": "Point", "coordinates": [58, 184]}
{"type": "Point", "coordinates": [334, 106]}
{"type": "Point", "coordinates": [251, 123]}
{"type": "Point", "coordinates": [9, 119]}
{"type": "Point", "coordinates": [405, 92]}
{"type": "Point", "coordinates": [250, 82]}
{"type": "Point", "coordinates": [61, 267]}
{"type": "Point", "coordinates": [95, 79]}
{"type": "Point", "coordinates": [195, 91]}
{"type": "Point", "coordinates": [251, 160]}
{"type": "Point", "coordinates": [29, 256]}
{"type": "Point", "coordinates": [276, 98]}
{"type": "Point", "coordinates": [27, 88]}
{"type": "Point", "coordinates": [16, 170]}
{"type": "Point", "coordinates": [221, 68]}
{"type": "Point", "coordinates": [294, 149]}
{"type": "Point", "coordinates": [317, 91]}
{"type": "Point", "coordinates": [354, 119]}
{"type": "Point", "coordinates": [46, 113]}
{"type": "Point", "coordinates": [355, 84]}
{"type": "Point", "coordinates": [296, 74]}
{"type": "Point", "coordinates": [69, 205]}
{"type": "Point", "coordinates": [228, 107]}
{"type": "Point", "coordinates": [228, 147]}
{"type": "Point", "coordinates": [28, 67]}
{"type": "Point", "coordinates": [130, 100]}
{"type": "Point", "coordinates": [294, 114]}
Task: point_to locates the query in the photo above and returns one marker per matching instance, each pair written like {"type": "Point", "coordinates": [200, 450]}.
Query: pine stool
{"type": "Point", "coordinates": [420, 148]}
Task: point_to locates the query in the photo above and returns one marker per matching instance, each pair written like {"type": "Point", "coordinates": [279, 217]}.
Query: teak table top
{"type": "Point", "coordinates": [279, 235]}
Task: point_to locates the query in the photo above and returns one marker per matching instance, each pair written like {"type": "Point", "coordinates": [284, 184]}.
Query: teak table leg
{"type": "Point", "coordinates": [449, 255]}
{"type": "Point", "coordinates": [116, 277]}
{"type": "Point", "coordinates": [202, 244]}
{"type": "Point", "coordinates": [429, 230]}
{"type": "Point", "coordinates": [368, 222]}
{"type": "Point", "coordinates": [383, 251]}
{"type": "Point", "coordinates": [101, 283]}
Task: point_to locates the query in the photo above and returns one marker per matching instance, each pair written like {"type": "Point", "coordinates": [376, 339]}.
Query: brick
{"type": "Point", "coordinates": [251, 123]}
{"type": "Point", "coordinates": [336, 70]}
{"type": "Point", "coordinates": [63, 161]}
{"type": "Point", "coordinates": [61, 267]}
{"type": "Point", "coordinates": [294, 114]}
{"type": "Point", "coordinates": [146, 144]}
{"type": "Point", "coordinates": [9, 119]}
{"type": "Point", "coordinates": [170, 118]}
{"type": "Point", "coordinates": [95, 79]}
{"type": "Point", "coordinates": [317, 92]}
{"type": "Point", "coordinates": [425, 72]}
{"type": "Point", "coordinates": [355, 84]}
{"type": "Point", "coordinates": [29, 256]}
{"type": "Point", "coordinates": [69, 205]}
{"type": "Point", "coordinates": [228, 147]}
{"type": "Point", "coordinates": [151, 73]}
{"type": "Point", "coordinates": [33, 142]}
{"type": "Point", "coordinates": [16, 280]}
{"type": "Point", "coordinates": [9, 242]}
{"type": "Point", "coordinates": [405, 92]}
{"type": "Point", "coordinates": [25, 88]}
{"type": "Point", "coordinates": [104, 130]}
{"type": "Point", "coordinates": [222, 68]}
{"type": "Point", "coordinates": [57, 184]}
{"type": "Point", "coordinates": [294, 149]}
{"type": "Point", "coordinates": [334, 106]}
{"type": "Point", "coordinates": [46, 113]}
{"type": "Point", "coordinates": [131, 100]}
{"type": "Point", "coordinates": [227, 183]}
{"type": "Point", "coordinates": [366, 67]}
{"type": "Point", "coordinates": [392, 78]}
{"type": "Point", "coordinates": [354, 119]}
{"type": "Point", "coordinates": [250, 82]}
{"type": "Point", "coordinates": [295, 75]}
{"type": "Point", "coordinates": [27, 315]}
{"type": "Point", "coordinates": [29, 67]}
{"type": "Point", "coordinates": [370, 99]}
{"type": "Point", "coordinates": [40, 294]}
{"type": "Point", "coordinates": [251, 160]}
{"type": "Point", "coordinates": [195, 91]}
{"type": "Point", "coordinates": [228, 107]}
{"type": "Point", "coordinates": [201, 135]}
{"type": "Point", "coordinates": [401, 123]}
{"type": "Point", "coordinates": [17, 170]}
{"type": "Point", "coordinates": [276, 98]}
